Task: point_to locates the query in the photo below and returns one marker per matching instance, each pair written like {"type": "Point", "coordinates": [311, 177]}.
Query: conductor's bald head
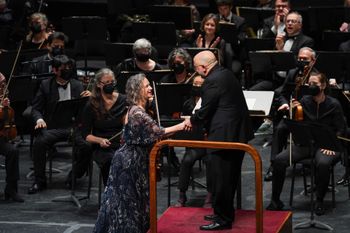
{"type": "Point", "coordinates": [203, 62]}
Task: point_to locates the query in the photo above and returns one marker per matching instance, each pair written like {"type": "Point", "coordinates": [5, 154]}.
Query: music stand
{"type": "Point", "coordinates": [180, 15]}
{"type": "Point", "coordinates": [265, 61]}
{"type": "Point", "coordinates": [117, 52]}
{"type": "Point", "coordinates": [85, 28]}
{"type": "Point", "coordinates": [155, 76]}
{"type": "Point", "coordinates": [194, 50]}
{"type": "Point", "coordinates": [332, 39]}
{"type": "Point", "coordinates": [255, 16]}
{"type": "Point", "coordinates": [159, 33]}
{"type": "Point", "coordinates": [315, 136]}
{"type": "Point", "coordinates": [65, 115]}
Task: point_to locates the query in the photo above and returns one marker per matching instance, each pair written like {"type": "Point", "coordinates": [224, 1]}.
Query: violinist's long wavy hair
{"type": "Point", "coordinates": [133, 89]}
{"type": "Point", "coordinates": [96, 99]}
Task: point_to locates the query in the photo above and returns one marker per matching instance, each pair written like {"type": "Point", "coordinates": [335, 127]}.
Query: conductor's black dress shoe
{"type": "Point", "coordinates": [214, 226]}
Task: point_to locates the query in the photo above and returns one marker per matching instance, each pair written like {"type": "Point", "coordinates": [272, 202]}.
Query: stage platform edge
{"type": "Point", "coordinates": [188, 220]}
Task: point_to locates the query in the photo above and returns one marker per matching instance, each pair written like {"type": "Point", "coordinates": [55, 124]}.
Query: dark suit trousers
{"type": "Point", "coordinates": [322, 173]}
{"type": "Point", "coordinates": [190, 157]}
{"type": "Point", "coordinates": [46, 139]}
{"type": "Point", "coordinates": [103, 158]}
{"type": "Point", "coordinates": [226, 170]}
{"type": "Point", "coordinates": [11, 161]}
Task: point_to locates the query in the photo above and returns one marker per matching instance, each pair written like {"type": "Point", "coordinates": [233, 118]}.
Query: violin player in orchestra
{"type": "Point", "coordinates": [56, 43]}
{"type": "Point", "coordinates": [180, 61]}
{"type": "Point", "coordinates": [8, 150]}
{"type": "Point", "coordinates": [305, 65]}
{"type": "Point", "coordinates": [60, 88]}
{"type": "Point", "coordinates": [37, 37]}
{"type": "Point", "coordinates": [102, 119]}
{"type": "Point", "coordinates": [125, 205]}
{"type": "Point", "coordinates": [142, 60]}
{"type": "Point", "coordinates": [319, 108]}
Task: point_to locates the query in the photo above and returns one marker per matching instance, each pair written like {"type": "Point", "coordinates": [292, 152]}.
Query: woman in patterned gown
{"type": "Point", "coordinates": [125, 205]}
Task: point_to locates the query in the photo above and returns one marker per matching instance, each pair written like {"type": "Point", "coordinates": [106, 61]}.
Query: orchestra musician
{"type": "Point", "coordinates": [180, 61]}
{"type": "Point", "coordinates": [225, 115]}
{"type": "Point", "coordinates": [55, 44]}
{"type": "Point", "coordinates": [142, 50]}
{"type": "Point", "coordinates": [320, 108]}
{"type": "Point", "coordinates": [38, 33]}
{"type": "Point", "coordinates": [62, 87]}
{"type": "Point", "coordinates": [103, 118]}
{"type": "Point", "coordinates": [193, 154]}
{"type": "Point", "coordinates": [9, 151]}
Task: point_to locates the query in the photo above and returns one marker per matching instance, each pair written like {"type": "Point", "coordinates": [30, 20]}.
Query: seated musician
{"type": "Point", "coordinates": [37, 37]}
{"type": "Point", "coordinates": [102, 119]}
{"type": "Point", "coordinates": [55, 44]}
{"type": "Point", "coordinates": [319, 108]}
{"type": "Point", "coordinates": [142, 50]}
{"type": "Point", "coordinates": [180, 61]}
{"type": "Point", "coordinates": [192, 154]}
{"type": "Point", "coordinates": [8, 150]}
{"type": "Point", "coordinates": [51, 91]}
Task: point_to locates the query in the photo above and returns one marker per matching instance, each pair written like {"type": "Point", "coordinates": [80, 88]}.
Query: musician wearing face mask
{"type": "Point", "coordinates": [55, 44]}
{"type": "Point", "coordinates": [62, 87]}
{"type": "Point", "coordinates": [180, 62]}
{"type": "Point", "coordinates": [38, 32]}
{"type": "Point", "coordinates": [319, 108]}
{"type": "Point", "coordinates": [193, 154]}
{"type": "Point", "coordinates": [142, 50]}
{"type": "Point", "coordinates": [102, 120]}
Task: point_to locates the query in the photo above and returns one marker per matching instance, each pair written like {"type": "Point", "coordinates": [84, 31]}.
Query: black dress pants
{"type": "Point", "coordinates": [46, 139]}
{"type": "Point", "coordinates": [225, 170]}
{"type": "Point", "coordinates": [322, 169]}
{"type": "Point", "coordinates": [190, 157]}
{"type": "Point", "coordinates": [11, 161]}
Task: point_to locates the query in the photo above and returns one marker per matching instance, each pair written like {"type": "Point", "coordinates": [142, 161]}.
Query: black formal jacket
{"type": "Point", "coordinates": [268, 23]}
{"type": "Point", "coordinates": [224, 110]}
{"type": "Point", "coordinates": [301, 41]}
{"type": "Point", "coordinates": [45, 101]}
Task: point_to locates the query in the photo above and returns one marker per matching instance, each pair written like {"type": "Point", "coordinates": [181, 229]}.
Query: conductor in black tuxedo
{"type": "Point", "coordinates": [51, 91]}
{"type": "Point", "coordinates": [225, 115]}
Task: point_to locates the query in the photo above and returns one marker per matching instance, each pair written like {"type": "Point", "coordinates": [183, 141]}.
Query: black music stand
{"type": "Point", "coordinates": [332, 39]}
{"type": "Point", "coordinates": [67, 119]}
{"type": "Point", "coordinates": [256, 44]}
{"type": "Point", "coordinates": [85, 28]}
{"type": "Point", "coordinates": [117, 52]}
{"type": "Point", "coordinates": [152, 76]}
{"type": "Point", "coordinates": [315, 136]}
{"type": "Point", "coordinates": [265, 61]}
{"type": "Point", "coordinates": [160, 33]}
{"type": "Point", "coordinates": [255, 16]}
{"type": "Point", "coordinates": [180, 15]}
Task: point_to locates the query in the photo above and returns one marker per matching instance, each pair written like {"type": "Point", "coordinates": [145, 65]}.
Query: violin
{"type": "Point", "coordinates": [7, 114]}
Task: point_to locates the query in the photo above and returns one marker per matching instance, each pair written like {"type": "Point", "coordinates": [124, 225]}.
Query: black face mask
{"type": "Point", "coordinates": [67, 74]}
{"type": "Point", "coordinates": [142, 57]}
{"type": "Point", "coordinates": [57, 51]}
{"type": "Point", "coordinates": [302, 64]}
{"type": "Point", "coordinates": [196, 91]}
{"type": "Point", "coordinates": [314, 90]}
{"type": "Point", "coordinates": [178, 68]}
{"type": "Point", "coordinates": [35, 28]}
{"type": "Point", "coordinates": [108, 88]}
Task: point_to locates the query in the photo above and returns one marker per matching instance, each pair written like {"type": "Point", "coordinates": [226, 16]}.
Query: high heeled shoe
{"type": "Point", "coordinates": [13, 196]}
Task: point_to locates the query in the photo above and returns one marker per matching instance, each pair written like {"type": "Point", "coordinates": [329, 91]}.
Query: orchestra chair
{"type": "Point", "coordinates": [305, 163]}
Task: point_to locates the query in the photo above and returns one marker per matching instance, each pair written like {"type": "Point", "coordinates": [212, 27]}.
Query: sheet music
{"type": "Point", "coordinates": [259, 102]}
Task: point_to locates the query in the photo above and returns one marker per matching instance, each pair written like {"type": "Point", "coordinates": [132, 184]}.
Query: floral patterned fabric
{"type": "Point", "coordinates": [125, 203]}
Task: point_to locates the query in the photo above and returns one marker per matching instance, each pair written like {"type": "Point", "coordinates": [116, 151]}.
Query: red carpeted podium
{"type": "Point", "coordinates": [188, 220]}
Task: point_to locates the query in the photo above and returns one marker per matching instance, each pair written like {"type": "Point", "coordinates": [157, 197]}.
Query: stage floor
{"type": "Point", "coordinates": [38, 214]}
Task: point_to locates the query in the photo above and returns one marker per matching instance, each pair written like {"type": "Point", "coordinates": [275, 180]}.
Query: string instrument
{"type": "Point", "coordinates": [7, 114]}
{"type": "Point", "coordinates": [303, 77]}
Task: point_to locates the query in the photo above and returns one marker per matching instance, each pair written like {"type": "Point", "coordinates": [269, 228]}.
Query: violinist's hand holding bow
{"type": "Point", "coordinates": [40, 124]}
{"type": "Point", "coordinates": [85, 93]}
{"type": "Point", "coordinates": [283, 107]}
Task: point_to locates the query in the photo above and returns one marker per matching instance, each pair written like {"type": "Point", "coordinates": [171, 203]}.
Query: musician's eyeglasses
{"type": "Point", "coordinates": [108, 82]}
{"type": "Point", "coordinates": [292, 21]}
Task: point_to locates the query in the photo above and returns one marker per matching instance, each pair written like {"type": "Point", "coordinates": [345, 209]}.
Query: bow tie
{"type": "Point", "coordinates": [290, 37]}
{"type": "Point", "coordinates": [62, 86]}
{"type": "Point", "coordinates": [225, 19]}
